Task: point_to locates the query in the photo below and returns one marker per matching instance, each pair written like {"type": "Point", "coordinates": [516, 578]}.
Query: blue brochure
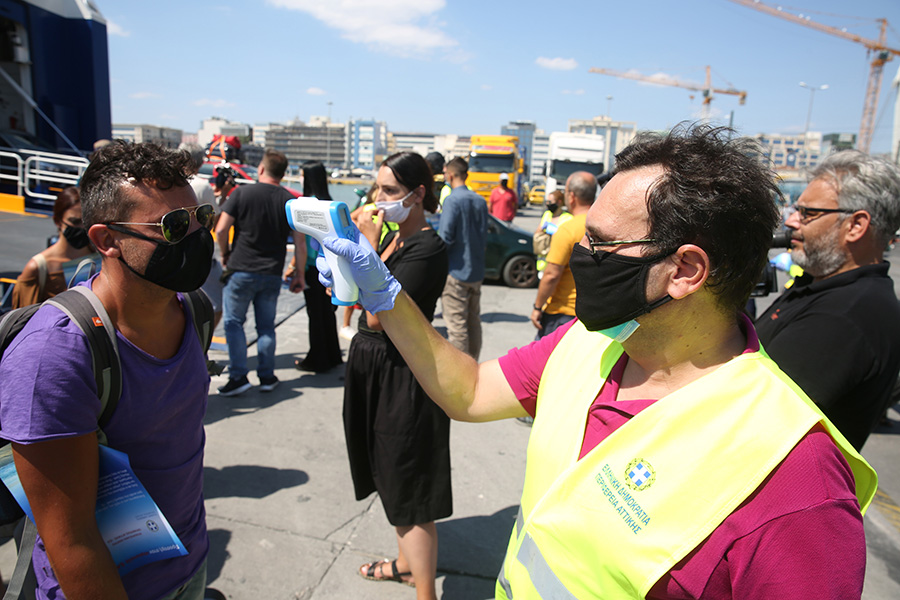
{"type": "Point", "coordinates": [133, 527]}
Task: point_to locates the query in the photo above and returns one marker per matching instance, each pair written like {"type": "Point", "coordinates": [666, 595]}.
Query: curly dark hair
{"type": "Point", "coordinates": [715, 193]}
{"type": "Point", "coordinates": [102, 197]}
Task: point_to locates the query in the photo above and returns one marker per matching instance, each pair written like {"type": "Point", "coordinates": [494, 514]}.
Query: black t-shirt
{"type": "Point", "coordinates": [420, 265]}
{"type": "Point", "coordinates": [839, 340]}
{"type": "Point", "coordinates": [261, 229]}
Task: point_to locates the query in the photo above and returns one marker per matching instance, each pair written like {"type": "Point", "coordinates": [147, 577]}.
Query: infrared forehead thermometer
{"type": "Point", "coordinates": [319, 219]}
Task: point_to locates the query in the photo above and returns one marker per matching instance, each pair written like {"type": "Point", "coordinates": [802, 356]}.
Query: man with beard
{"type": "Point", "coordinates": [142, 217]}
{"type": "Point", "coordinates": [836, 331]}
{"type": "Point", "coordinates": [669, 456]}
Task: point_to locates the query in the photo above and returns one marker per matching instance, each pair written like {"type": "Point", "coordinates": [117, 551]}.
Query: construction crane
{"type": "Point", "coordinates": [879, 47]}
{"type": "Point", "coordinates": [707, 89]}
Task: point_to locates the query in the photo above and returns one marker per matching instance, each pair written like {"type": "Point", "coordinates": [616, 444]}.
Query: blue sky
{"type": "Point", "coordinates": [468, 67]}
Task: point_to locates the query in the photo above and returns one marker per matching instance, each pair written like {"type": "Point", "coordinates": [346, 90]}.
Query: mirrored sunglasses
{"type": "Point", "coordinates": [176, 224]}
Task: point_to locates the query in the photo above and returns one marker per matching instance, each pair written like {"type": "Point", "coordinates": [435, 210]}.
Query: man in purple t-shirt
{"type": "Point", "coordinates": [142, 217]}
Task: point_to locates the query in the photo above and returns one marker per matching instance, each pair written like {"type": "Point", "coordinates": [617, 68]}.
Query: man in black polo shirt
{"type": "Point", "coordinates": [836, 331]}
{"type": "Point", "coordinates": [254, 260]}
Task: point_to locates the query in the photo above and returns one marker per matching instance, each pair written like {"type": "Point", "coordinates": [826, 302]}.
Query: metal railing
{"type": "Point", "coordinates": [33, 172]}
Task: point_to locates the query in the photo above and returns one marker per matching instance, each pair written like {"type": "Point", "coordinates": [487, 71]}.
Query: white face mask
{"type": "Point", "coordinates": [395, 211]}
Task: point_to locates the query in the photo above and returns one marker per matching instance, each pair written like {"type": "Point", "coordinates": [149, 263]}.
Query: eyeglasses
{"type": "Point", "coordinates": [594, 245]}
{"type": "Point", "coordinates": [176, 224]}
{"type": "Point", "coordinates": [808, 213]}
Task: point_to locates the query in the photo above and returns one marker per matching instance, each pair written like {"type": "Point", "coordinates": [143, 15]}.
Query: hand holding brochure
{"type": "Point", "coordinates": [133, 527]}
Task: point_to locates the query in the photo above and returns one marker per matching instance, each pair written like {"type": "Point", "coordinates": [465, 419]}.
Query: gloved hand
{"type": "Point", "coordinates": [377, 287]}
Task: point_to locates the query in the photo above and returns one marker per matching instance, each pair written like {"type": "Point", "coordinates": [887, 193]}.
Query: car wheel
{"type": "Point", "coordinates": [520, 272]}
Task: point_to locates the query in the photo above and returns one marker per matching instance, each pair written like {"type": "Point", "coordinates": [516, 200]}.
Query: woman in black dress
{"type": "Point", "coordinates": [324, 348]}
{"type": "Point", "coordinates": [398, 440]}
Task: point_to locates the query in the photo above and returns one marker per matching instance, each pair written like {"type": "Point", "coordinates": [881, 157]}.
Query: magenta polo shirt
{"type": "Point", "coordinates": [799, 535]}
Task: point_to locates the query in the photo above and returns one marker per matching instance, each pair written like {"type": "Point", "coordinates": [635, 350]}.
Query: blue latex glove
{"type": "Point", "coordinates": [377, 287]}
{"type": "Point", "coordinates": [782, 262]}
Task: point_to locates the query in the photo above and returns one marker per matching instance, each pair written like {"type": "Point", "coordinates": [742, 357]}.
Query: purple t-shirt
{"type": "Point", "coordinates": [48, 393]}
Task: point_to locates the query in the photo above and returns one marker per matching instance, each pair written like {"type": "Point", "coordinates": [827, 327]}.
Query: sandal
{"type": "Point", "coordinates": [368, 571]}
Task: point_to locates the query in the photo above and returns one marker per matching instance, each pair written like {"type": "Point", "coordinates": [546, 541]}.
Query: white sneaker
{"type": "Point", "coordinates": [347, 333]}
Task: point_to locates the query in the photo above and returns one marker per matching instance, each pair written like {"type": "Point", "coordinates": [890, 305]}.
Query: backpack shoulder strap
{"type": "Point", "coordinates": [12, 323]}
{"type": "Point", "coordinates": [22, 582]}
{"type": "Point", "coordinates": [202, 315]}
{"type": "Point", "coordinates": [86, 311]}
{"type": "Point", "coordinates": [42, 271]}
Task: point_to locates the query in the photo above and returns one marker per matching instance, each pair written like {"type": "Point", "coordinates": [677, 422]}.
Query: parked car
{"type": "Point", "coordinates": [508, 255]}
{"type": "Point", "coordinates": [536, 194]}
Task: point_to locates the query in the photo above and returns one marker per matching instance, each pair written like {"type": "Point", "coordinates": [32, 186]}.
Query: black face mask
{"type": "Point", "coordinates": [76, 236]}
{"type": "Point", "coordinates": [181, 267]}
{"type": "Point", "coordinates": [611, 288]}
{"type": "Point", "coordinates": [553, 207]}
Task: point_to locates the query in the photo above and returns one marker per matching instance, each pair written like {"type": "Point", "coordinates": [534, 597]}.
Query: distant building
{"type": "Point", "coordinates": [791, 151]}
{"type": "Point", "coordinates": [319, 140]}
{"type": "Point", "coordinates": [835, 142]}
{"type": "Point", "coordinates": [219, 126]}
{"type": "Point", "coordinates": [164, 136]}
{"type": "Point", "coordinates": [368, 144]}
{"type": "Point", "coordinates": [525, 131]}
{"type": "Point", "coordinates": [540, 154]}
{"type": "Point", "coordinates": [617, 134]}
{"type": "Point", "coordinates": [421, 143]}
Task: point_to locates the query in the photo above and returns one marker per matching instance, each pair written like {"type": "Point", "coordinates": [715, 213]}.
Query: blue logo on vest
{"type": "Point", "coordinates": [639, 475]}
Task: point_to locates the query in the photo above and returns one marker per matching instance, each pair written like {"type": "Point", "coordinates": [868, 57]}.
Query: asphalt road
{"type": "Point", "coordinates": [282, 518]}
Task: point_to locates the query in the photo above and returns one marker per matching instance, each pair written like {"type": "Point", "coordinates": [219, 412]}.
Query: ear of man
{"type": "Point", "coordinates": [104, 241]}
{"type": "Point", "coordinates": [688, 271]}
{"type": "Point", "coordinates": [857, 226]}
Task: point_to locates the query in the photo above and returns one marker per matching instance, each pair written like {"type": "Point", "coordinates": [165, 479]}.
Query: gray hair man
{"type": "Point", "coordinates": [836, 331]}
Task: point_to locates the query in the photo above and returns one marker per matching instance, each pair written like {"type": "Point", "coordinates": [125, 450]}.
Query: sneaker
{"type": "Point", "coordinates": [267, 384]}
{"type": "Point", "coordinates": [347, 333]}
{"type": "Point", "coordinates": [235, 387]}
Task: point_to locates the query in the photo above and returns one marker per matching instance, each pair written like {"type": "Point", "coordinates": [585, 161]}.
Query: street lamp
{"type": "Point", "coordinates": [812, 96]}
{"type": "Point", "coordinates": [609, 107]}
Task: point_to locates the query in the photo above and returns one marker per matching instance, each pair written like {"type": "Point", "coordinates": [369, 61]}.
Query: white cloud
{"type": "Point", "coordinates": [557, 64]}
{"type": "Point", "coordinates": [144, 95]}
{"type": "Point", "coordinates": [115, 29]}
{"type": "Point", "coordinates": [217, 103]}
{"type": "Point", "coordinates": [578, 92]}
{"type": "Point", "coordinates": [314, 91]}
{"type": "Point", "coordinates": [404, 27]}
{"type": "Point", "coordinates": [486, 87]}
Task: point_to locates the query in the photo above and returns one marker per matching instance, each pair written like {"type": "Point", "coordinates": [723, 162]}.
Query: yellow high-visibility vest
{"type": "Point", "coordinates": [613, 523]}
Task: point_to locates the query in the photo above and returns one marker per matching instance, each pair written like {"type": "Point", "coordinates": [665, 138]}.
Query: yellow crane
{"type": "Point", "coordinates": [879, 47]}
{"type": "Point", "coordinates": [707, 89]}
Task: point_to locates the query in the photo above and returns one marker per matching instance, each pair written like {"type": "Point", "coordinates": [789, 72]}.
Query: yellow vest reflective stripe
{"type": "Point", "coordinates": [612, 524]}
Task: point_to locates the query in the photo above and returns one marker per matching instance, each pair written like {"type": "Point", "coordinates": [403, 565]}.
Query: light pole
{"type": "Point", "coordinates": [609, 107]}
{"type": "Point", "coordinates": [328, 139]}
{"type": "Point", "coordinates": [812, 96]}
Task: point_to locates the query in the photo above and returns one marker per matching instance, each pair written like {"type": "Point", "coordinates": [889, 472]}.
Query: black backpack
{"type": "Point", "coordinates": [85, 310]}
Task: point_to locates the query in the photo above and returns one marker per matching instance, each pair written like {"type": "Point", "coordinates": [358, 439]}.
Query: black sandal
{"type": "Point", "coordinates": [394, 576]}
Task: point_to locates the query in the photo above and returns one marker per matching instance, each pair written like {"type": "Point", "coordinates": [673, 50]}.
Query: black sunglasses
{"type": "Point", "coordinates": [176, 224]}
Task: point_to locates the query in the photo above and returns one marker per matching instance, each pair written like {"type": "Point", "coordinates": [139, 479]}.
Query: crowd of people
{"type": "Point", "coordinates": [646, 374]}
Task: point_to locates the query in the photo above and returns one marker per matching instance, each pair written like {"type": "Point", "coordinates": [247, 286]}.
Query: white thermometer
{"type": "Point", "coordinates": [319, 219]}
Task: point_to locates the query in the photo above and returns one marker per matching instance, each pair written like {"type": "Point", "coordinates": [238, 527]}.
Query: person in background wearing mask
{"type": "Point", "coordinates": [142, 217]}
{"type": "Point", "coordinates": [398, 440]}
{"type": "Point", "coordinates": [657, 387]}
{"type": "Point", "coordinates": [43, 276]}
{"type": "Point", "coordinates": [555, 214]}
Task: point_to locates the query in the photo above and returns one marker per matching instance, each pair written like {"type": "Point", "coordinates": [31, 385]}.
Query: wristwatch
{"type": "Point", "coordinates": [536, 307]}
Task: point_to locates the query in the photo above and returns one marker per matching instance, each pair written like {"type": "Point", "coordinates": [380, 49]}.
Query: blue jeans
{"type": "Point", "coordinates": [242, 289]}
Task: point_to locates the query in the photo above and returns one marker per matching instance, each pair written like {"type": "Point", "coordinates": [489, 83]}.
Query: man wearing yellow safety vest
{"type": "Point", "coordinates": [669, 457]}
